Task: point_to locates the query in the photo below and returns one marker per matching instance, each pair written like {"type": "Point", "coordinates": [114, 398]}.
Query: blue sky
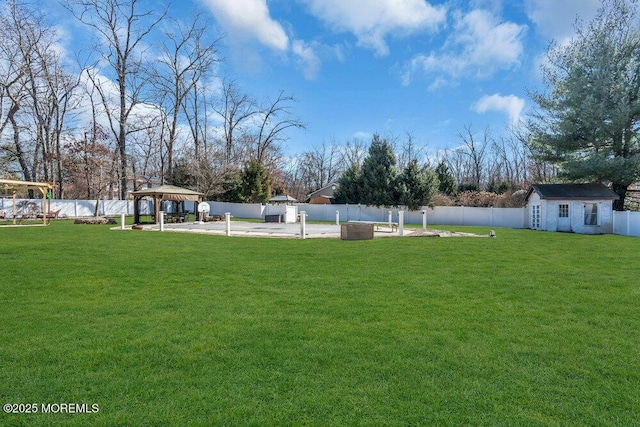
{"type": "Point", "coordinates": [359, 67]}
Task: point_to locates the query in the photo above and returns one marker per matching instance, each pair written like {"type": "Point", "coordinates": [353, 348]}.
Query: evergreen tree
{"type": "Point", "coordinates": [379, 175]}
{"type": "Point", "coordinates": [349, 186]}
{"type": "Point", "coordinates": [182, 174]}
{"type": "Point", "coordinates": [256, 185]}
{"type": "Point", "coordinates": [232, 187]}
{"type": "Point", "coordinates": [416, 186]}
{"type": "Point", "coordinates": [446, 182]}
{"type": "Point", "coordinates": [588, 122]}
{"type": "Point", "coordinates": [251, 185]}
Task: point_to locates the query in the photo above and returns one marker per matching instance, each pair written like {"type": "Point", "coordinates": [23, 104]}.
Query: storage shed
{"type": "Point", "coordinates": [577, 208]}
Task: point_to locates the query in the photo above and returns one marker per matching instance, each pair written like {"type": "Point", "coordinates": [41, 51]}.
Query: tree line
{"type": "Point", "coordinates": [148, 106]}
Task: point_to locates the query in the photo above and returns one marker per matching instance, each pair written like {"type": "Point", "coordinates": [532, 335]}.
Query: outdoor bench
{"type": "Point", "coordinates": [378, 224]}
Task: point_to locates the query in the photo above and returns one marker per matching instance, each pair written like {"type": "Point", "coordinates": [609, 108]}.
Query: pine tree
{"type": "Point", "coordinates": [416, 186]}
{"type": "Point", "coordinates": [349, 186]}
{"type": "Point", "coordinates": [446, 182]}
{"type": "Point", "coordinates": [256, 185]}
{"type": "Point", "coordinates": [379, 175]}
{"type": "Point", "coordinates": [588, 121]}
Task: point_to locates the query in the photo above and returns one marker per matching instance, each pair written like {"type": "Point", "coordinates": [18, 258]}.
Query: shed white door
{"type": "Point", "coordinates": [535, 217]}
{"type": "Point", "coordinates": [564, 217]}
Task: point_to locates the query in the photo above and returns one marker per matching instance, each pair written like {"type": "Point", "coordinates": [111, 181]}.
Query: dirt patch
{"type": "Point", "coordinates": [442, 233]}
{"type": "Point", "coordinates": [94, 220]}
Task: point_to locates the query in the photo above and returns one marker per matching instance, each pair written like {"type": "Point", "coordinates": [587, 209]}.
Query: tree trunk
{"type": "Point", "coordinates": [620, 190]}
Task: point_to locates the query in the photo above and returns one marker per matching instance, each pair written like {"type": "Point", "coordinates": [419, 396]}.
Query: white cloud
{"type": "Point", "coordinates": [479, 44]}
{"type": "Point", "coordinates": [509, 104]}
{"type": "Point", "coordinates": [555, 19]}
{"type": "Point", "coordinates": [362, 135]}
{"type": "Point", "coordinates": [307, 58]}
{"type": "Point", "coordinates": [371, 21]}
{"type": "Point", "coordinates": [249, 18]}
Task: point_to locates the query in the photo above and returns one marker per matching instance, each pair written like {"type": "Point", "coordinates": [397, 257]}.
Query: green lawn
{"type": "Point", "coordinates": [529, 328]}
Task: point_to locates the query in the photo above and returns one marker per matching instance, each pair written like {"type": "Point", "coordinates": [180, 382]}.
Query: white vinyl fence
{"type": "Point", "coordinates": [75, 208]}
{"type": "Point", "coordinates": [624, 223]}
{"type": "Point", "coordinates": [446, 215]}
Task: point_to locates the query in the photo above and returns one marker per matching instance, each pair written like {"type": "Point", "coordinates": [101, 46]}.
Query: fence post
{"type": "Point", "coordinates": [161, 220]}
{"type": "Point", "coordinates": [227, 218]}
{"type": "Point", "coordinates": [337, 217]}
{"type": "Point", "coordinates": [400, 223]}
{"type": "Point", "coordinates": [424, 219]}
{"type": "Point", "coordinates": [628, 228]}
{"type": "Point", "coordinates": [303, 224]}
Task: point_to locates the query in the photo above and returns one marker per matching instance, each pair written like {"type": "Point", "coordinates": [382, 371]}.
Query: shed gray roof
{"type": "Point", "coordinates": [573, 192]}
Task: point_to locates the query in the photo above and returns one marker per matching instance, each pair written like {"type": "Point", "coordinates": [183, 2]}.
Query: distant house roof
{"type": "Point", "coordinates": [326, 191]}
{"type": "Point", "coordinates": [573, 192]}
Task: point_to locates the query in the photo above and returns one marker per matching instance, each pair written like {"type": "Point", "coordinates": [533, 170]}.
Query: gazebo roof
{"type": "Point", "coordinates": [170, 192]}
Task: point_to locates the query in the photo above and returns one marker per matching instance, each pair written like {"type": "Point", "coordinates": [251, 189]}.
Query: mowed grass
{"type": "Point", "coordinates": [529, 328]}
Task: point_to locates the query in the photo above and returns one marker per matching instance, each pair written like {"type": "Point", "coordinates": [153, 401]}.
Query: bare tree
{"type": "Point", "coordinates": [537, 169]}
{"type": "Point", "coordinates": [13, 88]}
{"type": "Point", "coordinates": [510, 162]}
{"type": "Point", "coordinates": [276, 119]}
{"type": "Point", "coordinates": [354, 152]}
{"type": "Point", "coordinates": [122, 29]}
{"type": "Point", "coordinates": [320, 166]}
{"type": "Point", "coordinates": [474, 150]}
{"type": "Point", "coordinates": [186, 57]}
{"type": "Point", "coordinates": [36, 92]}
{"type": "Point", "coordinates": [148, 158]}
{"type": "Point", "coordinates": [236, 109]}
{"type": "Point", "coordinates": [195, 109]}
{"type": "Point", "coordinates": [89, 163]}
{"type": "Point", "coordinates": [410, 151]}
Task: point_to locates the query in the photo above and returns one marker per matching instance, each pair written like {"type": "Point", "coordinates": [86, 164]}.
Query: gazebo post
{"type": "Point", "coordinates": [136, 210]}
{"type": "Point", "coordinates": [44, 205]}
{"type": "Point", "coordinates": [15, 211]}
{"type": "Point", "coordinates": [157, 200]}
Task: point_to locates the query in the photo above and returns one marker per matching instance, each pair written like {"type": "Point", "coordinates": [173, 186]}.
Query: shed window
{"type": "Point", "coordinates": [563, 211]}
{"type": "Point", "coordinates": [590, 214]}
